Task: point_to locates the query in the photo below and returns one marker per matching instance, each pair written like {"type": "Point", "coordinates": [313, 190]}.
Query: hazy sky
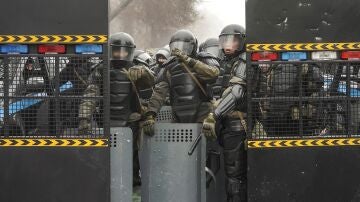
{"type": "Point", "coordinates": [215, 14]}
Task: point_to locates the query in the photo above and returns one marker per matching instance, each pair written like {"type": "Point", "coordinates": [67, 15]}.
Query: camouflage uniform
{"type": "Point", "coordinates": [124, 103]}
{"type": "Point", "coordinates": [194, 109]}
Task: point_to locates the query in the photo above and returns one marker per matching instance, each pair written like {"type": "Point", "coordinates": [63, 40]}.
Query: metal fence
{"type": "Point", "coordinates": [40, 94]}
{"type": "Point", "coordinates": [303, 99]}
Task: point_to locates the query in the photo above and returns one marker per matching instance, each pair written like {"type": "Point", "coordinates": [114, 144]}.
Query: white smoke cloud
{"type": "Point", "coordinates": [216, 14]}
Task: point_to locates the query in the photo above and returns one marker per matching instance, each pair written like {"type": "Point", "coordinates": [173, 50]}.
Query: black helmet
{"type": "Point", "coordinates": [142, 57]}
{"type": "Point", "coordinates": [210, 46]}
{"type": "Point", "coordinates": [185, 41]}
{"type": "Point", "coordinates": [233, 36]}
{"type": "Point", "coordinates": [122, 47]}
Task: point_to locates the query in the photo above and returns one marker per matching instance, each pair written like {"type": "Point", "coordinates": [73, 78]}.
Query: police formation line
{"type": "Point", "coordinates": [204, 84]}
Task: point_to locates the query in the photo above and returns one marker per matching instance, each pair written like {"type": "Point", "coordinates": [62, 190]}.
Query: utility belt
{"type": "Point", "coordinates": [238, 115]}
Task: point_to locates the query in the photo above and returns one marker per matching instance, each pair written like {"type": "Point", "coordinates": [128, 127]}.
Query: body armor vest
{"type": "Point", "coordinates": [121, 96]}
{"type": "Point", "coordinates": [185, 95]}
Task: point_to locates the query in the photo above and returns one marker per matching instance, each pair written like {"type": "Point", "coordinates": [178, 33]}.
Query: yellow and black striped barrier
{"type": "Point", "coordinates": [19, 142]}
{"type": "Point", "coordinates": [63, 39]}
{"type": "Point", "coordinates": [303, 47]}
{"type": "Point", "coordinates": [326, 142]}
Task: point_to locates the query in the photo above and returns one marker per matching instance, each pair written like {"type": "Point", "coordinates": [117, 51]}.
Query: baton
{"type": "Point", "coordinates": [195, 144]}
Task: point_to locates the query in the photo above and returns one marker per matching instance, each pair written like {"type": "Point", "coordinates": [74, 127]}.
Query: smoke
{"type": "Point", "coordinates": [214, 15]}
{"type": "Point", "coordinates": [152, 22]}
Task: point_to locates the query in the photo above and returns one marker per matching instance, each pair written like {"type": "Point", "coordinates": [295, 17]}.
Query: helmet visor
{"type": "Point", "coordinates": [122, 53]}
{"type": "Point", "coordinates": [230, 42]}
{"type": "Point", "coordinates": [213, 50]}
{"type": "Point", "coordinates": [185, 47]}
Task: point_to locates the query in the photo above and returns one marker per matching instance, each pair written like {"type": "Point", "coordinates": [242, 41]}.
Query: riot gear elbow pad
{"type": "Point", "coordinates": [229, 102]}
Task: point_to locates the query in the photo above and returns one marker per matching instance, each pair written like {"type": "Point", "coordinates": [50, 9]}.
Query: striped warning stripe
{"type": "Point", "coordinates": [64, 39]}
{"type": "Point", "coordinates": [254, 144]}
{"type": "Point", "coordinates": [53, 142]}
{"type": "Point", "coordinates": [303, 47]}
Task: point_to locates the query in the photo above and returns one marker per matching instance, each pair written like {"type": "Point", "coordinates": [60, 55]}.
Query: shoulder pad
{"type": "Point", "coordinates": [242, 56]}
{"type": "Point", "coordinates": [204, 55]}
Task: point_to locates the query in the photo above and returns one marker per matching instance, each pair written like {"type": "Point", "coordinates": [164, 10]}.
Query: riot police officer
{"type": "Point", "coordinates": [77, 71]}
{"type": "Point", "coordinates": [161, 56]}
{"type": "Point", "coordinates": [140, 58]}
{"type": "Point", "coordinates": [185, 77]}
{"type": "Point", "coordinates": [231, 112]}
{"type": "Point", "coordinates": [211, 46]}
{"type": "Point", "coordinates": [282, 117]}
{"type": "Point", "coordinates": [143, 58]}
{"type": "Point", "coordinates": [33, 82]}
{"type": "Point", "coordinates": [125, 81]}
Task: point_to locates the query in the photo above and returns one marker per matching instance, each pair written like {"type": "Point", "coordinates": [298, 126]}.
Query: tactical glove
{"type": "Point", "coordinates": [148, 125]}
{"type": "Point", "coordinates": [208, 128]}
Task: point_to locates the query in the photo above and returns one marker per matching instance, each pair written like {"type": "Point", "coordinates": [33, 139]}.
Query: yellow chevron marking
{"type": "Point", "coordinates": [351, 45]}
{"type": "Point", "coordinates": [53, 143]}
{"type": "Point", "coordinates": [77, 142]}
{"type": "Point", "coordinates": [22, 38]}
{"type": "Point", "coordinates": [79, 39]}
{"type": "Point", "coordinates": [266, 47]}
{"type": "Point", "coordinates": [65, 142]}
{"type": "Point", "coordinates": [277, 143]}
{"type": "Point", "coordinates": [67, 38]}
{"type": "Point", "coordinates": [339, 46]}
{"type": "Point", "coordinates": [340, 142]}
{"type": "Point", "coordinates": [42, 142]}
{"type": "Point", "coordinates": [277, 47]}
{"type": "Point", "coordinates": [257, 144]}
{"type": "Point", "coordinates": [31, 142]}
{"type": "Point", "coordinates": [88, 143]}
{"type": "Point", "coordinates": [56, 38]}
{"type": "Point", "coordinates": [91, 39]}
{"type": "Point", "coordinates": [251, 46]}
{"type": "Point", "coordinates": [305, 46]}
{"type": "Point", "coordinates": [308, 46]}
{"type": "Point", "coordinates": [45, 38]}
{"type": "Point", "coordinates": [297, 46]}
{"type": "Point", "coordinates": [267, 144]}
{"type": "Point", "coordinates": [103, 38]}
{"type": "Point", "coordinates": [33, 39]}
{"type": "Point", "coordinates": [255, 47]}
{"type": "Point", "coordinates": [329, 46]}
{"type": "Point", "coordinates": [19, 142]}
{"type": "Point", "coordinates": [308, 143]}
{"type": "Point", "coordinates": [304, 143]}
{"type": "Point", "coordinates": [7, 142]}
{"type": "Point", "coordinates": [319, 46]}
{"type": "Point", "coordinates": [10, 39]}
